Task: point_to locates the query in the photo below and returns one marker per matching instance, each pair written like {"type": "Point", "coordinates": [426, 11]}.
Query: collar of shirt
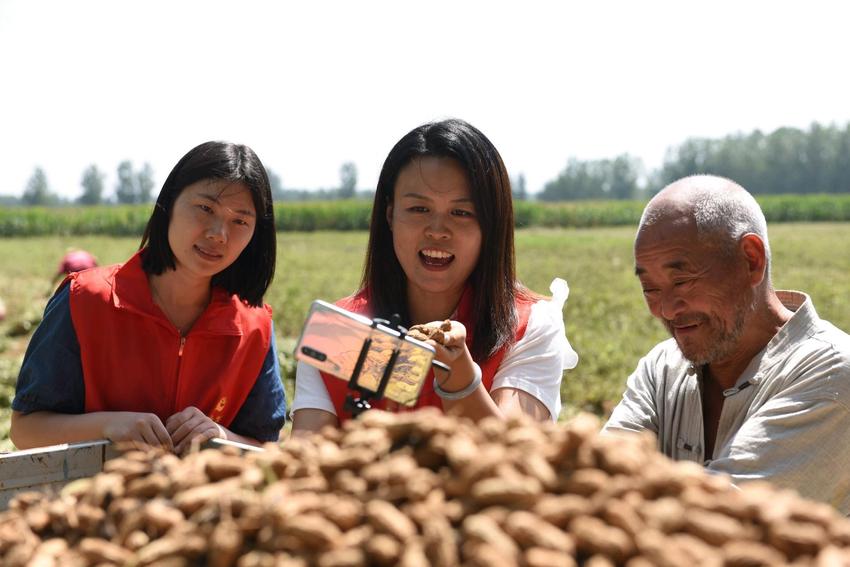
{"type": "Point", "coordinates": [801, 324]}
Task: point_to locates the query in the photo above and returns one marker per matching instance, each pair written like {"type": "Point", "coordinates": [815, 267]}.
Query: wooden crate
{"type": "Point", "coordinates": [50, 468]}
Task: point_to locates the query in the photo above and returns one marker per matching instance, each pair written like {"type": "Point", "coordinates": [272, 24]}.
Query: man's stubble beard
{"type": "Point", "coordinates": [722, 342]}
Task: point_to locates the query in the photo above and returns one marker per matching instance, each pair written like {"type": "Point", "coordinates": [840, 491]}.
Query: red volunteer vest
{"type": "Point", "coordinates": [134, 359]}
{"type": "Point", "coordinates": [338, 388]}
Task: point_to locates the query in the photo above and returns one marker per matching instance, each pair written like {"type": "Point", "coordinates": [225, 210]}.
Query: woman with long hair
{"type": "Point", "coordinates": [441, 247]}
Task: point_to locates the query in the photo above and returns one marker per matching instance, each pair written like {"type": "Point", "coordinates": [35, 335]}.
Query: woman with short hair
{"type": "Point", "coordinates": [175, 345]}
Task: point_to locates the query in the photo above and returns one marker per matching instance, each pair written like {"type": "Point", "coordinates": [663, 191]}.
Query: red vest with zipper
{"type": "Point", "coordinates": [134, 359]}
{"type": "Point", "coordinates": [338, 388]}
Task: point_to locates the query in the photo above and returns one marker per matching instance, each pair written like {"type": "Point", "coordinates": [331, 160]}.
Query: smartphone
{"type": "Point", "coordinates": [340, 342]}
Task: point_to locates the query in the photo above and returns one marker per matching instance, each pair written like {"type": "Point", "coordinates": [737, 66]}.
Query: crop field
{"type": "Point", "coordinates": [354, 215]}
{"type": "Point", "coordinates": [606, 319]}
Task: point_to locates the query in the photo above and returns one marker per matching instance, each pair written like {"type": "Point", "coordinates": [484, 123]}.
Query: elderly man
{"type": "Point", "coordinates": [753, 383]}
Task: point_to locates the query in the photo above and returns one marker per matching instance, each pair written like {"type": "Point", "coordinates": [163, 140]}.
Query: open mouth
{"type": "Point", "coordinates": [435, 258]}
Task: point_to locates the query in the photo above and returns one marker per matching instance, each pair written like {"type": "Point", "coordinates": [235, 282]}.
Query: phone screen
{"type": "Point", "coordinates": [380, 351]}
{"type": "Point", "coordinates": [332, 341]}
{"type": "Point", "coordinates": [409, 372]}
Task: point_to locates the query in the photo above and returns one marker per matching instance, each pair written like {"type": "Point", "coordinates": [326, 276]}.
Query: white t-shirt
{"type": "Point", "coordinates": [534, 364]}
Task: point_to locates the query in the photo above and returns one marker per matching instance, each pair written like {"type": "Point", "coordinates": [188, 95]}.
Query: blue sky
{"type": "Point", "coordinates": [310, 85]}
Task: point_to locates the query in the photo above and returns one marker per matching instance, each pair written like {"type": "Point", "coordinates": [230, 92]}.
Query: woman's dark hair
{"type": "Point", "coordinates": [252, 272]}
{"type": "Point", "coordinates": [494, 277]}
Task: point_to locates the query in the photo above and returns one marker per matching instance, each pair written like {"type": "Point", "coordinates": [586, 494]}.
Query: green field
{"type": "Point", "coordinates": [606, 319]}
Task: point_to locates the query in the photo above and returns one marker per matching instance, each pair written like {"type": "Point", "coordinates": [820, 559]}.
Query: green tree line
{"type": "Point", "coordinates": [133, 187]}
{"type": "Point", "coordinates": [137, 187]}
{"type": "Point", "coordinates": [787, 160]}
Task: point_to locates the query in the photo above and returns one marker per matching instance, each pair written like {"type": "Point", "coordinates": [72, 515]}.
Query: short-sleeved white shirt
{"type": "Point", "coordinates": [534, 364]}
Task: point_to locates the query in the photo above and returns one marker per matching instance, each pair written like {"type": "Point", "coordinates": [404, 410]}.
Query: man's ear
{"type": "Point", "coordinates": [752, 247]}
{"type": "Point", "coordinates": [390, 215]}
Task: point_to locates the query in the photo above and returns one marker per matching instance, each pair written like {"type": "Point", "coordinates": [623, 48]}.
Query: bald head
{"type": "Point", "coordinates": [718, 209]}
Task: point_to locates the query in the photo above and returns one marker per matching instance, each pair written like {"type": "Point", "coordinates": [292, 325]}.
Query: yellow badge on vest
{"type": "Point", "coordinates": [219, 410]}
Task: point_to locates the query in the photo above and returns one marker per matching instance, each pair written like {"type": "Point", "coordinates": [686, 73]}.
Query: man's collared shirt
{"type": "Point", "coordinates": [786, 420]}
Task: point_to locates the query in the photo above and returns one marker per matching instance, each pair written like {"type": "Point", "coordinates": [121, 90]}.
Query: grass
{"type": "Point", "coordinates": [606, 319]}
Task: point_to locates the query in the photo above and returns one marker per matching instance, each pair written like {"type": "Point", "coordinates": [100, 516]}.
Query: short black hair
{"type": "Point", "coordinates": [494, 277]}
{"type": "Point", "coordinates": [252, 272]}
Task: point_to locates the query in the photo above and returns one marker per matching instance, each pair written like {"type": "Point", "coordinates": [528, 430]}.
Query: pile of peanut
{"type": "Point", "coordinates": [417, 489]}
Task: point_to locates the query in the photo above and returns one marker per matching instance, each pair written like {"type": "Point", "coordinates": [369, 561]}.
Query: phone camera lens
{"type": "Point", "coordinates": [313, 353]}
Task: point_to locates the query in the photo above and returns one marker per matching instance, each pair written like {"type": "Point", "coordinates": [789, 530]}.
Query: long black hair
{"type": "Point", "coordinates": [252, 272]}
{"type": "Point", "coordinates": [494, 277]}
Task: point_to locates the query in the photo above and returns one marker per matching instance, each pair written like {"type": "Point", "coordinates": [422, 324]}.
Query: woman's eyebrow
{"type": "Point", "coordinates": [244, 212]}
{"type": "Point", "coordinates": [427, 198]}
{"type": "Point", "coordinates": [214, 199]}
{"type": "Point", "coordinates": [417, 196]}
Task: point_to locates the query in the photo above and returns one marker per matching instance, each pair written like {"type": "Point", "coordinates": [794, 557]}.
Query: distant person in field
{"type": "Point", "coordinates": [441, 246]}
{"type": "Point", "coordinates": [175, 345]}
{"type": "Point", "coordinates": [75, 260]}
{"type": "Point", "coordinates": [753, 383]}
